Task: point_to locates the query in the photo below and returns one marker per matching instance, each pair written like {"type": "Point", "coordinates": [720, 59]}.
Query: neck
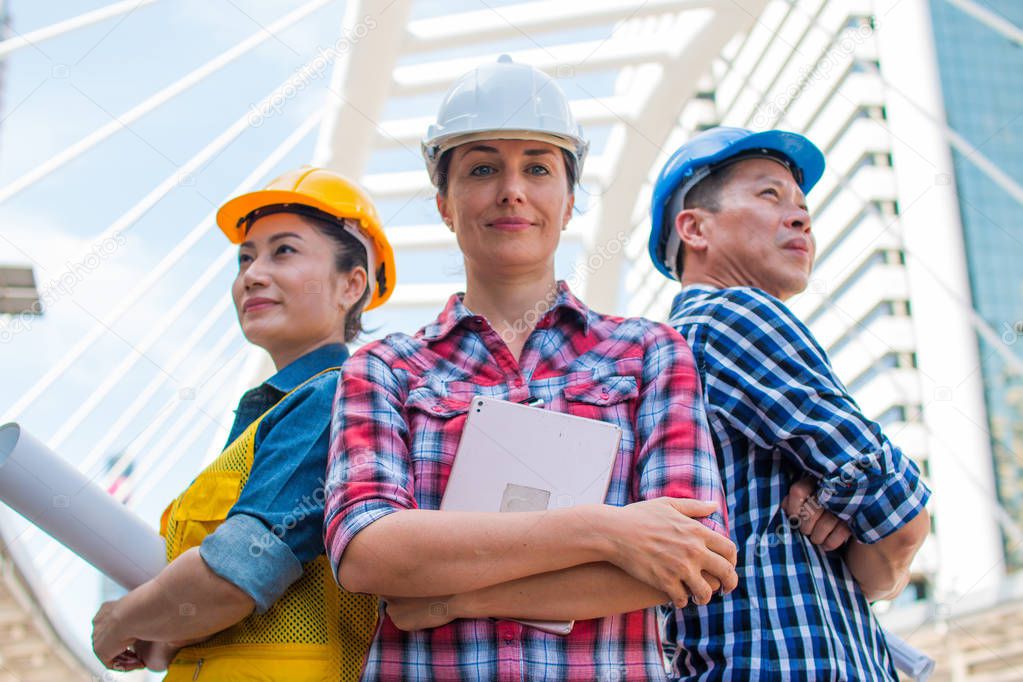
{"type": "Point", "coordinates": [512, 304]}
{"type": "Point", "coordinates": [708, 279]}
{"type": "Point", "coordinates": [285, 356]}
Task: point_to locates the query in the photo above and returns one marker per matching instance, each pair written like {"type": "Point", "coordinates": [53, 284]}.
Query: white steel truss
{"type": "Point", "coordinates": [638, 73]}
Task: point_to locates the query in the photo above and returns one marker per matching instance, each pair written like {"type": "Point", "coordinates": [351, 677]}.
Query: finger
{"type": "Point", "coordinates": [797, 496]}
{"type": "Point", "coordinates": [838, 537]}
{"type": "Point", "coordinates": [679, 595]}
{"type": "Point", "coordinates": [809, 516]}
{"type": "Point", "coordinates": [714, 583]}
{"type": "Point", "coordinates": [803, 488]}
{"type": "Point", "coordinates": [822, 529]}
{"type": "Point", "coordinates": [695, 509]}
{"type": "Point", "coordinates": [721, 570]}
{"type": "Point", "coordinates": [699, 589]}
{"type": "Point", "coordinates": [719, 544]}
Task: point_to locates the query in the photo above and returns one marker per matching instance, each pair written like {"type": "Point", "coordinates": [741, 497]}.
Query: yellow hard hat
{"type": "Point", "coordinates": [330, 193]}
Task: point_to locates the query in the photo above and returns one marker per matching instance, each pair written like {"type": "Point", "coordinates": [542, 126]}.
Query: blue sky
{"type": "Point", "coordinates": [60, 91]}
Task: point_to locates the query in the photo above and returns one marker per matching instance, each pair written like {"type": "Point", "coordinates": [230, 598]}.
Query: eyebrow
{"type": "Point", "coordinates": [493, 150]}
{"type": "Point", "coordinates": [276, 237]}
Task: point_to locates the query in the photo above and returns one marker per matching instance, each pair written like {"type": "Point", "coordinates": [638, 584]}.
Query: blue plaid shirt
{"type": "Point", "coordinates": [778, 413]}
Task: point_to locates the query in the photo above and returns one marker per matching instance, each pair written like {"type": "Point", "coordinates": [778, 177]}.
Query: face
{"type": "Point", "coordinates": [761, 235]}
{"type": "Point", "coordinates": [289, 296]}
{"type": "Point", "coordinates": [507, 203]}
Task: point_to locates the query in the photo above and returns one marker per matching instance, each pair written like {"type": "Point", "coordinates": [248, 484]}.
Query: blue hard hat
{"type": "Point", "coordinates": [708, 151]}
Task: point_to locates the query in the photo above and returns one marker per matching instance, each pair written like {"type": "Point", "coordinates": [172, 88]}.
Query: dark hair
{"type": "Point", "coordinates": [348, 255]}
{"type": "Point", "coordinates": [705, 194]}
{"type": "Point", "coordinates": [444, 166]}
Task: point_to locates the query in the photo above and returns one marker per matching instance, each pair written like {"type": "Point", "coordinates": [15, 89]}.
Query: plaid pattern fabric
{"type": "Point", "coordinates": [397, 421]}
{"type": "Point", "coordinates": [778, 413]}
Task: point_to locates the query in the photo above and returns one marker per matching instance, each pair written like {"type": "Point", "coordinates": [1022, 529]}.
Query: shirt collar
{"type": "Point", "coordinates": [310, 364]}
{"type": "Point", "coordinates": [688, 292]}
{"type": "Point", "coordinates": [455, 313]}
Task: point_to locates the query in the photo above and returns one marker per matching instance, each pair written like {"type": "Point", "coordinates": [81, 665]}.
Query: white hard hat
{"type": "Point", "coordinates": [503, 101]}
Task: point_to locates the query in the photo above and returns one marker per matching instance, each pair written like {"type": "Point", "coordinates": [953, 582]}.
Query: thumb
{"type": "Point", "coordinates": [693, 508]}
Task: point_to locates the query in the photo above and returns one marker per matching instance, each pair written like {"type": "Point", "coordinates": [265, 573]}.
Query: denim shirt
{"type": "Point", "coordinates": [277, 523]}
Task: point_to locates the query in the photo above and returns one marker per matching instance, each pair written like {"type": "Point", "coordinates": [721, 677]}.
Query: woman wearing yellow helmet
{"type": "Point", "coordinates": [248, 587]}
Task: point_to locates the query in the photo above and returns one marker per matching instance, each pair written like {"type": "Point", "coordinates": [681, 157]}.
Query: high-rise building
{"type": "Point", "coordinates": [918, 289]}
{"type": "Point", "coordinates": [981, 75]}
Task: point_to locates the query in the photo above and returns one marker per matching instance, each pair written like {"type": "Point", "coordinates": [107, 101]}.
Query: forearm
{"type": "Point", "coordinates": [185, 602]}
{"type": "Point", "coordinates": [882, 568]}
{"type": "Point", "coordinates": [578, 593]}
{"type": "Point", "coordinates": [420, 553]}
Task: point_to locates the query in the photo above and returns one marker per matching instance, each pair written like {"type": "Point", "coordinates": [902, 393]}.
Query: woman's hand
{"type": "Point", "coordinates": [419, 613]}
{"type": "Point", "coordinates": [157, 656]}
{"type": "Point", "coordinates": [113, 647]}
{"type": "Point", "coordinates": [661, 543]}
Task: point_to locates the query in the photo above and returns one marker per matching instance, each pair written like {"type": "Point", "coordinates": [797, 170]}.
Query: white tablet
{"type": "Point", "coordinates": [515, 457]}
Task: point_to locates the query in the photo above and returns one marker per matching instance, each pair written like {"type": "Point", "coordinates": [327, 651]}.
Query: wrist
{"type": "Point", "coordinates": [600, 532]}
{"type": "Point", "coordinates": [464, 605]}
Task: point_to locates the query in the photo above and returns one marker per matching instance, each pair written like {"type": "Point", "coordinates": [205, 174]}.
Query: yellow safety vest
{"type": "Point", "coordinates": [314, 633]}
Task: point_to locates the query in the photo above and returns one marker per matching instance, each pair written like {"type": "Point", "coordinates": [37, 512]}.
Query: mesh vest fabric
{"type": "Point", "coordinates": [315, 631]}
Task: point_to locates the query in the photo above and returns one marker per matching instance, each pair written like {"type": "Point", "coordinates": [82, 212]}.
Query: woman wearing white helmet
{"type": "Point", "coordinates": [505, 154]}
{"type": "Point", "coordinates": [245, 539]}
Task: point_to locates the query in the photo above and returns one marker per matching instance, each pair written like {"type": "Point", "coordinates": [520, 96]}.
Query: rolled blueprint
{"type": "Point", "coordinates": [908, 659]}
{"type": "Point", "coordinates": [52, 494]}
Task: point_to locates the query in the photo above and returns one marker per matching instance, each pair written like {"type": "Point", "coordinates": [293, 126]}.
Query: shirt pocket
{"type": "Point", "coordinates": [610, 390]}
{"type": "Point", "coordinates": [436, 415]}
{"type": "Point", "coordinates": [204, 506]}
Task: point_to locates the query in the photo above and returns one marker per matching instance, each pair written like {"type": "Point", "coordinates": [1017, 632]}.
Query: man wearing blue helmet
{"type": "Point", "coordinates": [730, 223]}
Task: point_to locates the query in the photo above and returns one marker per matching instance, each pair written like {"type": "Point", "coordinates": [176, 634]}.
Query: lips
{"type": "Point", "coordinates": [511, 224]}
{"type": "Point", "coordinates": [254, 304]}
{"type": "Point", "coordinates": [798, 245]}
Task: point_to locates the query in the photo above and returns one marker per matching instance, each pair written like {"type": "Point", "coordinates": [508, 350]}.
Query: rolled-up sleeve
{"type": "Point", "coordinates": [675, 457]}
{"type": "Point", "coordinates": [369, 473]}
{"type": "Point", "coordinates": [244, 553]}
{"type": "Point", "coordinates": [275, 526]}
{"type": "Point", "coordinates": [772, 382]}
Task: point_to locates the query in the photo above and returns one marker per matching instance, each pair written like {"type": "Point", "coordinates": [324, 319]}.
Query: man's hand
{"type": "Point", "coordinates": [661, 543]}
{"type": "Point", "coordinates": [823, 528]}
{"type": "Point", "coordinates": [419, 613]}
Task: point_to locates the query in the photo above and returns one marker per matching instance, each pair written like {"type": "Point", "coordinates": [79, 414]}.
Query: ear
{"type": "Point", "coordinates": [354, 285]}
{"type": "Point", "coordinates": [568, 211]}
{"type": "Point", "coordinates": [442, 208]}
{"type": "Point", "coordinates": [691, 225]}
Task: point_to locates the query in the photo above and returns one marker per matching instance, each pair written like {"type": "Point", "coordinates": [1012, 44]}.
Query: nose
{"type": "Point", "coordinates": [798, 219]}
{"type": "Point", "coordinates": [256, 274]}
{"type": "Point", "coordinates": [512, 190]}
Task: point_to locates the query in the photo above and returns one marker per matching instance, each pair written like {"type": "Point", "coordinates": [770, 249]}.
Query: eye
{"type": "Point", "coordinates": [284, 248]}
{"type": "Point", "coordinates": [538, 169]}
{"type": "Point", "coordinates": [244, 259]}
{"type": "Point", "coordinates": [482, 170]}
{"type": "Point", "coordinates": [769, 191]}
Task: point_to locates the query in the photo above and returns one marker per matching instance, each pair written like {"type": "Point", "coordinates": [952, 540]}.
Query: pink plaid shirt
{"type": "Point", "coordinates": [398, 417]}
